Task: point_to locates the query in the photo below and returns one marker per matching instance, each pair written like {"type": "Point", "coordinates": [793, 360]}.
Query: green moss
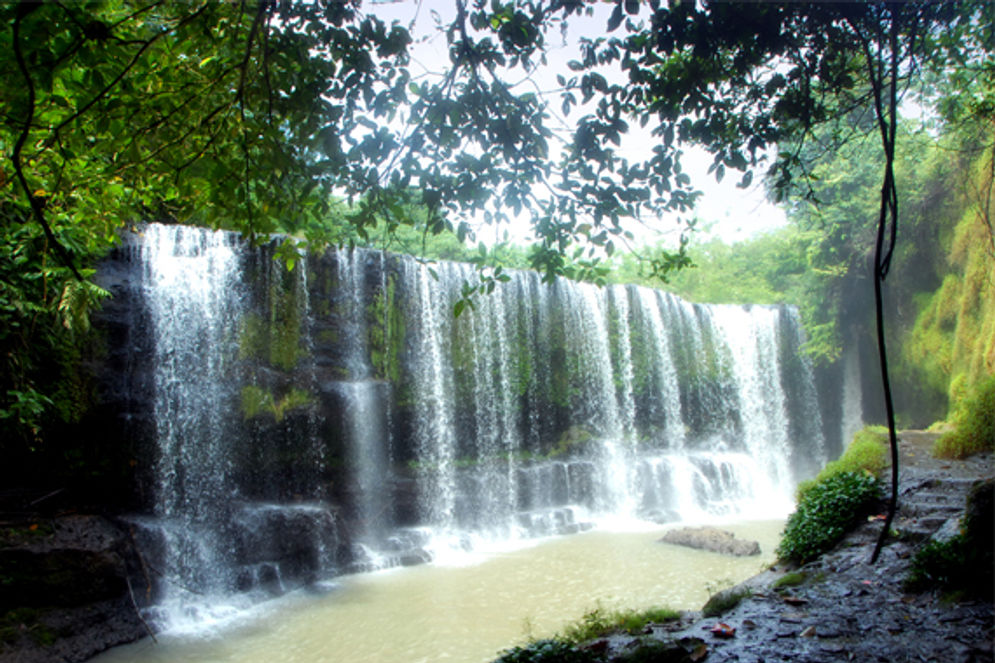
{"type": "Point", "coordinates": [251, 337]}
{"type": "Point", "coordinates": [285, 330]}
{"type": "Point", "coordinates": [724, 601]}
{"type": "Point", "coordinates": [974, 425]}
{"type": "Point", "coordinates": [386, 332]}
{"type": "Point", "coordinates": [276, 338]}
{"type": "Point", "coordinates": [256, 402]}
{"type": "Point", "coordinates": [789, 580]}
{"type": "Point", "coordinates": [867, 453]}
{"type": "Point", "coordinates": [951, 346]}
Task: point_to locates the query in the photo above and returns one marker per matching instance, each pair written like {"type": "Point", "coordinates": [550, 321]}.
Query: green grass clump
{"type": "Point", "coordinates": [828, 509]}
{"type": "Point", "coordinates": [547, 651]}
{"type": "Point", "coordinates": [600, 622]}
{"type": "Point", "coordinates": [867, 452]}
{"type": "Point", "coordinates": [974, 425]}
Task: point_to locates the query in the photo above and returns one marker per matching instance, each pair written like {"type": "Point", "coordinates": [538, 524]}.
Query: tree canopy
{"type": "Point", "coordinates": [258, 116]}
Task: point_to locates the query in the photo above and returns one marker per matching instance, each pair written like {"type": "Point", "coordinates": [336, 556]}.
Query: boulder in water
{"type": "Point", "coordinates": [712, 539]}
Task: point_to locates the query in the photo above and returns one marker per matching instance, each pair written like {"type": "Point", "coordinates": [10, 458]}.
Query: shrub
{"type": "Point", "coordinates": [974, 425]}
{"type": "Point", "coordinates": [547, 651]}
{"type": "Point", "coordinates": [867, 452]}
{"type": "Point", "coordinates": [828, 509]}
{"type": "Point", "coordinates": [938, 564]}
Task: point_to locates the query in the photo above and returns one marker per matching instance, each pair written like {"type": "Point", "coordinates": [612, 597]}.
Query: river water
{"type": "Point", "coordinates": [469, 609]}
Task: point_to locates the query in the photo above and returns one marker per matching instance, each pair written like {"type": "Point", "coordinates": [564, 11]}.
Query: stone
{"type": "Point", "coordinates": [76, 583]}
{"type": "Point", "coordinates": [712, 539]}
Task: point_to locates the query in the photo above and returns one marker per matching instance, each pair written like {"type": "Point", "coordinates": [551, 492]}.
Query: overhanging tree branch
{"type": "Point", "coordinates": [37, 208]}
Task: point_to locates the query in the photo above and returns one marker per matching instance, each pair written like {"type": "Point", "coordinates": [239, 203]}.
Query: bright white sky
{"type": "Point", "coordinates": [724, 210]}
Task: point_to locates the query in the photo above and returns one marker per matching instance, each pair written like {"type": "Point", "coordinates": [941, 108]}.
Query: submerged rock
{"type": "Point", "coordinates": [712, 539]}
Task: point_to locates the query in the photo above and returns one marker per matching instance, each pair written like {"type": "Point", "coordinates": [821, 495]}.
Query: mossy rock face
{"type": "Point", "coordinates": [974, 425]}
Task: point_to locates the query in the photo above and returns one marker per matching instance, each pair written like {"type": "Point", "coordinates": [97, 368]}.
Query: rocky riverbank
{"type": "Point", "coordinates": [840, 607]}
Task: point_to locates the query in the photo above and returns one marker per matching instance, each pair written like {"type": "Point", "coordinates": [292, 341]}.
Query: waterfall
{"type": "Point", "coordinates": [339, 417]}
{"type": "Point", "coordinates": [190, 284]}
{"type": "Point", "coordinates": [852, 414]}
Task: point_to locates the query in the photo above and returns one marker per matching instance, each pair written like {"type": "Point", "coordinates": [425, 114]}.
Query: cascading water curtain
{"type": "Point", "coordinates": [384, 422]}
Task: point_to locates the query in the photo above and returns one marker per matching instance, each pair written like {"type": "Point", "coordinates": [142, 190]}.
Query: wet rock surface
{"type": "Point", "coordinates": [712, 539]}
{"type": "Point", "coordinates": [842, 608]}
{"type": "Point", "coordinates": [68, 589]}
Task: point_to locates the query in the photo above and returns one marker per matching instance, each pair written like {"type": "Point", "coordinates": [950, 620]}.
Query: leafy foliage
{"type": "Point", "coordinates": [261, 116]}
{"type": "Point", "coordinates": [826, 512]}
{"type": "Point", "coordinates": [43, 334]}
